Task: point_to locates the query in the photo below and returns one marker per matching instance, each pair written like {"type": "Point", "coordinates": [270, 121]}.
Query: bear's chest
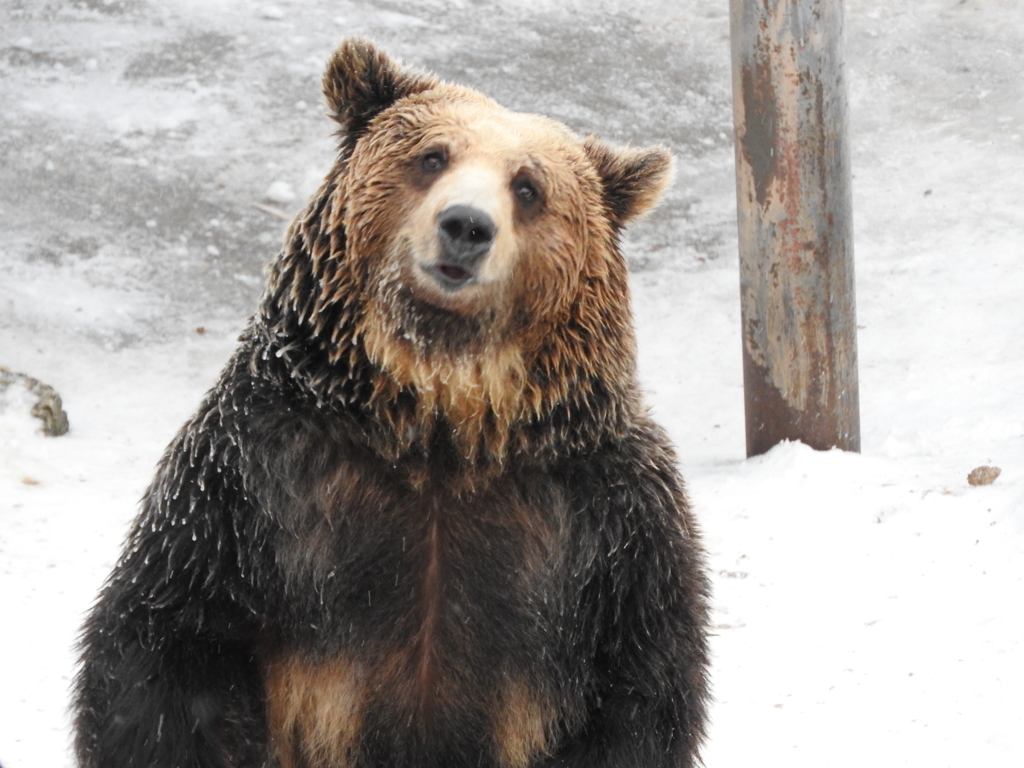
{"type": "Point", "coordinates": [367, 557]}
{"type": "Point", "coordinates": [418, 605]}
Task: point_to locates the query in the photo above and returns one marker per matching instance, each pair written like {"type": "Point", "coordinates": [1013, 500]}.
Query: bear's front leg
{"type": "Point", "coordinates": [160, 696]}
{"type": "Point", "coordinates": [168, 677]}
{"type": "Point", "coordinates": [627, 732]}
{"type": "Point", "coordinates": [645, 604]}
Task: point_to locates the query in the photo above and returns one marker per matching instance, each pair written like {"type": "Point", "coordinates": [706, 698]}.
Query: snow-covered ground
{"type": "Point", "coordinates": [868, 608]}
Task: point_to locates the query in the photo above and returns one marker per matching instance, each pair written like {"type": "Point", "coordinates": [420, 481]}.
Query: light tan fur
{"type": "Point", "coordinates": [485, 389]}
{"type": "Point", "coordinates": [488, 151]}
{"type": "Point", "coordinates": [314, 711]}
{"type": "Point", "coordinates": [523, 725]}
{"type": "Point", "coordinates": [466, 390]}
{"type": "Point", "coordinates": [487, 147]}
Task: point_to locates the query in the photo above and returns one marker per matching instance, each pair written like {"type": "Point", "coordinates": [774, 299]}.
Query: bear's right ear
{"type": "Point", "coordinates": [361, 81]}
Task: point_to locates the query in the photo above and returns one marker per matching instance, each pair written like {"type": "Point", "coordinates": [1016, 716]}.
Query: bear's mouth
{"type": "Point", "coordinates": [450, 276]}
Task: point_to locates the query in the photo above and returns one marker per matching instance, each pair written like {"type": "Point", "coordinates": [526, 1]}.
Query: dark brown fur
{"type": "Point", "coordinates": [411, 527]}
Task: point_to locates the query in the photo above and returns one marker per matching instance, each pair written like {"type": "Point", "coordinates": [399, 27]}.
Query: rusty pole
{"type": "Point", "coordinates": [795, 224]}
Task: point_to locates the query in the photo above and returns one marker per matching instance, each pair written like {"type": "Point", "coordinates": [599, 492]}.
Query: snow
{"type": "Point", "coordinates": [864, 604]}
{"type": "Point", "coordinates": [280, 192]}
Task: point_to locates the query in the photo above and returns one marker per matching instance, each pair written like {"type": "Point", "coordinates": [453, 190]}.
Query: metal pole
{"type": "Point", "coordinates": [795, 224]}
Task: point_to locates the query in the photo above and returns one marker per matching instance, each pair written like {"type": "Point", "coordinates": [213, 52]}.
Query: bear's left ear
{"type": "Point", "coordinates": [361, 81]}
{"type": "Point", "coordinates": [634, 180]}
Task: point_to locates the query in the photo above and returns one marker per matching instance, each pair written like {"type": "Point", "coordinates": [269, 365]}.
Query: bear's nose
{"type": "Point", "coordinates": [466, 235]}
{"type": "Point", "coordinates": [466, 228]}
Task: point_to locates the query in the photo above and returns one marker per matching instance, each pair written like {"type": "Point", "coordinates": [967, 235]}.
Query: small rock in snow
{"type": "Point", "coordinates": [280, 192]}
{"type": "Point", "coordinates": [983, 475]}
{"type": "Point", "coordinates": [21, 392]}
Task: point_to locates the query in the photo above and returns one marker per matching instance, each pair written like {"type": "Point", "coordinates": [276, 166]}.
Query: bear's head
{"type": "Point", "coordinates": [463, 259]}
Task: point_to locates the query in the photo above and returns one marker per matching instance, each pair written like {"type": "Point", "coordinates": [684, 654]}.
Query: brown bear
{"type": "Point", "coordinates": [423, 520]}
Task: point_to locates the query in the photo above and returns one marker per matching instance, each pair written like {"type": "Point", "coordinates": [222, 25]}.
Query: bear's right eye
{"type": "Point", "coordinates": [434, 161]}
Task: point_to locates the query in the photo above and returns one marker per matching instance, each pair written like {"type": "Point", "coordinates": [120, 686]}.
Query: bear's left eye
{"type": "Point", "coordinates": [434, 161]}
{"type": "Point", "coordinates": [526, 191]}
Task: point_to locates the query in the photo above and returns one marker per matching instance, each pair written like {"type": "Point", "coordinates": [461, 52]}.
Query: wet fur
{"type": "Point", "coordinates": [407, 535]}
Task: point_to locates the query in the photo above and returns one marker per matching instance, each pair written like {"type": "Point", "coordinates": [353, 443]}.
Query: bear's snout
{"type": "Point", "coordinates": [466, 235]}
